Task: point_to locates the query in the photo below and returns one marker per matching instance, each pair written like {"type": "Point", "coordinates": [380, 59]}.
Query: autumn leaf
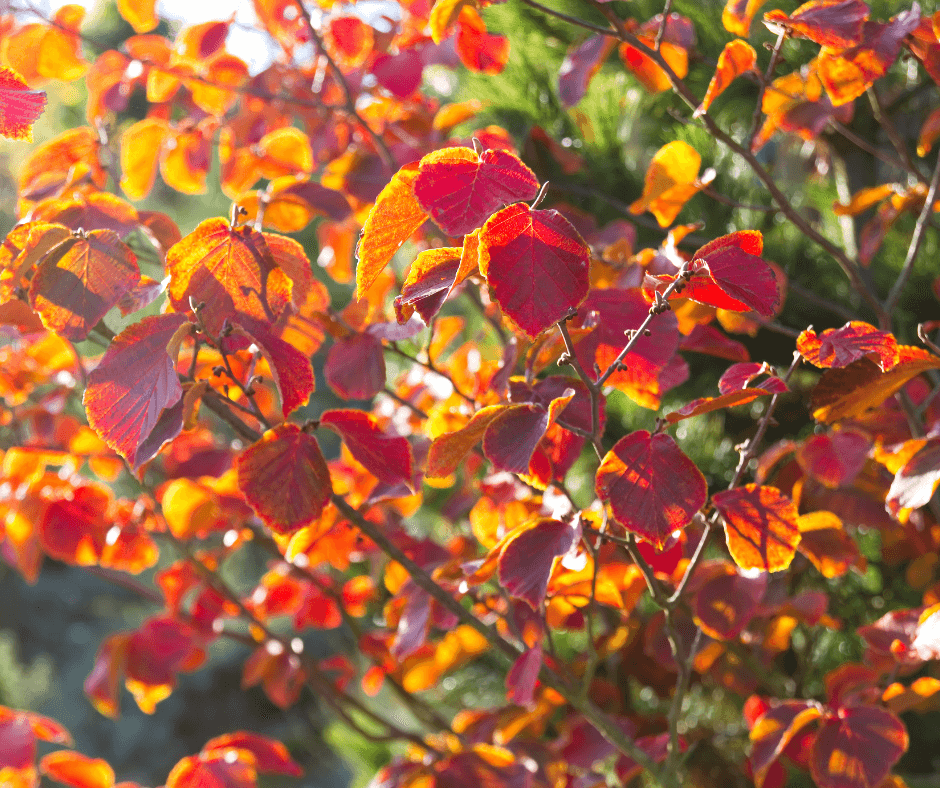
{"type": "Point", "coordinates": [857, 747]}
{"type": "Point", "coordinates": [387, 457]}
{"type": "Point", "coordinates": [737, 58]}
{"type": "Point", "coordinates": [830, 23]}
{"type": "Point", "coordinates": [738, 14]}
{"type": "Point", "coordinates": [231, 271]}
{"type": "Point", "coordinates": [77, 770]}
{"type": "Point", "coordinates": [461, 190]}
{"type": "Point", "coordinates": [760, 526]}
{"type": "Point", "coordinates": [135, 380]}
{"type": "Point", "coordinates": [671, 181]}
{"type": "Point", "coordinates": [774, 730]}
{"type": "Point", "coordinates": [839, 347]}
{"type": "Point", "coordinates": [20, 106]}
{"type": "Point", "coordinates": [394, 218]}
{"type": "Point", "coordinates": [525, 563]}
{"type": "Point", "coordinates": [651, 486]}
{"type": "Point", "coordinates": [270, 756]}
{"type": "Point", "coordinates": [478, 49]}
{"type": "Point", "coordinates": [580, 65]}
{"type": "Point", "coordinates": [535, 264]}
{"type": "Point", "coordinates": [285, 479]}
{"type": "Point", "coordinates": [80, 279]}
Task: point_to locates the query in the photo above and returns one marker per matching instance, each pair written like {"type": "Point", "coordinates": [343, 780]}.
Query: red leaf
{"type": "Point", "coordinates": [774, 730]}
{"type": "Point", "coordinates": [80, 279]}
{"type": "Point", "coordinates": [652, 487]}
{"type": "Point", "coordinates": [74, 530]}
{"type": "Point", "coordinates": [839, 347]}
{"type": "Point", "coordinates": [430, 280]}
{"type": "Point", "coordinates": [213, 770]}
{"type": "Point", "coordinates": [271, 757]}
{"type": "Point", "coordinates": [746, 375]}
{"type": "Point", "coordinates": [512, 437]}
{"type": "Point", "coordinates": [536, 265]}
{"type": "Point", "coordinates": [17, 742]}
{"type": "Point", "coordinates": [760, 526]}
{"type": "Point", "coordinates": [293, 373]}
{"type": "Point", "coordinates": [856, 747]}
{"type": "Point", "coordinates": [479, 50]}
{"type": "Point", "coordinates": [103, 684]}
{"type": "Point", "coordinates": [284, 478]}
{"type": "Point", "coordinates": [830, 23]}
{"type": "Point", "coordinates": [399, 74]}
{"type": "Point", "coordinates": [526, 561]}
{"type": "Point", "coordinates": [387, 457]}
{"type": "Point", "coordinates": [135, 380]}
{"type": "Point", "coordinates": [834, 458]}
{"type": "Point", "coordinates": [523, 676]}
{"type": "Point", "coordinates": [725, 605]}
{"type": "Point", "coordinates": [613, 312]}
{"type": "Point", "coordinates": [915, 484]}
{"type": "Point", "coordinates": [20, 107]}
{"type": "Point", "coordinates": [579, 67]}
{"type": "Point", "coordinates": [461, 190]}
{"type": "Point", "coordinates": [733, 264]}
{"type": "Point", "coordinates": [355, 366]}
{"type": "Point", "coordinates": [77, 770]}
{"type": "Point", "coordinates": [832, 551]}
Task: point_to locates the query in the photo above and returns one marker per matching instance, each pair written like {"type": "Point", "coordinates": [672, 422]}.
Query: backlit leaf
{"type": "Point", "coordinates": [285, 479]}
{"type": "Point", "coordinates": [399, 74]}
{"type": "Point", "coordinates": [231, 271]}
{"type": "Point", "coordinates": [140, 154]}
{"type": "Point", "coordinates": [73, 529]}
{"type": "Point", "coordinates": [513, 436]}
{"type": "Point", "coordinates": [651, 486]}
{"type": "Point", "coordinates": [852, 390]}
{"type": "Point", "coordinates": [738, 14]}
{"type": "Point", "coordinates": [447, 451]}
{"type": "Point", "coordinates": [135, 380]}
{"type": "Point", "coordinates": [292, 371]}
{"type": "Point", "coordinates": [80, 280]}
{"type": "Point", "coordinates": [525, 563]}
{"type": "Point", "coordinates": [839, 347]}
{"type": "Point", "coordinates": [431, 278]}
{"type": "Point", "coordinates": [774, 730]}
{"type": "Point", "coordinates": [478, 49]}
{"type": "Point", "coordinates": [760, 526]}
{"type": "Point", "coordinates": [461, 190]}
{"type": "Point", "coordinates": [215, 769]}
{"type": "Point", "coordinates": [915, 484]}
{"type": "Point", "coordinates": [392, 221]}
{"type": "Point", "coordinates": [832, 551]}
{"type": "Point", "coordinates": [77, 770]}
{"type": "Point", "coordinates": [834, 458]}
{"type": "Point", "coordinates": [709, 404]}
{"type": "Point", "coordinates": [671, 181]}
{"type": "Point", "coordinates": [536, 266]}
{"type": "Point", "coordinates": [271, 757]}
{"type": "Point", "coordinates": [857, 747]}
{"type": "Point", "coordinates": [20, 106]}
{"type": "Point", "coordinates": [579, 67]}
{"type": "Point", "coordinates": [139, 14]}
{"type": "Point", "coordinates": [387, 457]}
{"type": "Point", "coordinates": [831, 23]}
{"type": "Point", "coordinates": [647, 71]}
{"type": "Point", "coordinates": [737, 58]}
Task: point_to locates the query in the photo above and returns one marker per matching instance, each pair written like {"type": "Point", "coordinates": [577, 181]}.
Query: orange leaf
{"type": "Point", "coordinates": [77, 770]}
{"type": "Point", "coordinates": [140, 151]}
{"type": "Point", "coordinates": [19, 106]}
{"type": "Point", "coordinates": [737, 58]}
{"type": "Point", "coordinates": [850, 391]}
{"type": "Point", "coordinates": [644, 68]}
{"type": "Point", "coordinates": [671, 181]}
{"type": "Point", "coordinates": [709, 404]}
{"type": "Point", "coordinates": [738, 14]}
{"type": "Point", "coordinates": [185, 159]}
{"type": "Point", "coordinates": [232, 271]}
{"type": "Point", "coordinates": [139, 14]}
{"type": "Point", "coordinates": [285, 479]}
{"type": "Point", "coordinates": [80, 280]}
{"type": "Point", "coordinates": [444, 16]}
{"type": "Point", "coordinates": [760, 526]}
{"type": "Point", "coordinates": [447, 451]}
{"type": "Point", "coordinates": [392, 221]}
{"type": "Point", "coordinates": [216, 769]}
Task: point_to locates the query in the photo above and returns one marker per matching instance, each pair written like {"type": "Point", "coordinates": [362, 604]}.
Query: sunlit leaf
{"type": "Point", "coordinates": [725, 604]}
{"type": "Point", "coordinates": [387, 457]}
{"type": "Point", "coordinates": [535, 264]}
{"type": "Point", "coordinates": [525, 563]}
{"type": "Point", "coordinates": [671, 181]}
{"type": "Point", "coordinates": [839, 347]}
{"type": "Point", "coordinates": [392, 221]}
{"type": "Point", "coordinates": [738, 14]}
{"type": "Point", "coordinates": [915, 484]}
{"type": "Point", "coordinates": [77, 770]}
{"type": "Point", "coordinates": [461, 190]}
{"type": "Point", "coordinates": [20, 106]}
{"type": "Point", "coordinates": [857, 748]}
{"type": "Point", "coordinates": [285, 479]}
{"type": "Point", "coordinates": [271, 757]}
{"type": "Point", "coordinates": [651, 486]}
{"type": "Point", "coordinates": [478, 49]}
{"type": "Point", "coordinates": [831, 23]}
{"type": "Point", "coordinates": [737, 58]}
{"type": "Point", "coordinates": [79, 280]}
{"type": "Point", "coordinates": [133, 383]}
{"type": "Point", "coordinates": [774, 730]}
{"type": "Point", "coordinates": [760, 526]}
